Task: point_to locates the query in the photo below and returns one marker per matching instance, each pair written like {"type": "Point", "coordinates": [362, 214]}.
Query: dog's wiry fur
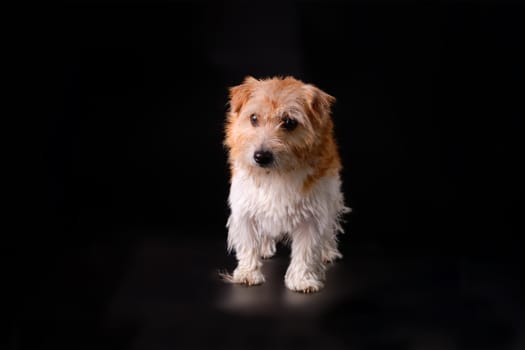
{"type": "Point", "coordinates": [297, 195]}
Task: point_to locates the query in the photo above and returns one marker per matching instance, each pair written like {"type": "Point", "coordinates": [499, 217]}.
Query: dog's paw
{"type": "Point", "coordinates": [268, 249]}
{"type": "Point", "coordinates": [247, 277]}
{"type": "Point", "coordinates": [306, 283]}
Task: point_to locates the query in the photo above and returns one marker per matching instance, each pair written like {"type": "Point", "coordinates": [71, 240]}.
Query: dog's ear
{"type": "Point", "coordinates": [241, 93]}
{"type": "Point", "coordinates": [319, 102]}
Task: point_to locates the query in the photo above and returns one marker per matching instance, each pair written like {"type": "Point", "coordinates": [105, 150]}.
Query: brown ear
{"type": "Point", "coordinates": [320, 102]}
{"type": "Point", "coordinates": [241, 93]}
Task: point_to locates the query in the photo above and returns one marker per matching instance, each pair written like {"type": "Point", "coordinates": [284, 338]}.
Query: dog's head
{"type": "Point", "coordinates": [278, 124]}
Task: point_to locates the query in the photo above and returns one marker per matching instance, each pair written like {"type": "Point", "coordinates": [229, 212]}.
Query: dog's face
{"type": "Point", "coordinates": [278, 124]}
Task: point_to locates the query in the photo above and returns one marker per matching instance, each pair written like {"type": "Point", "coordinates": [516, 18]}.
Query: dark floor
{"type": "Point", "coordinates": [152, 290]}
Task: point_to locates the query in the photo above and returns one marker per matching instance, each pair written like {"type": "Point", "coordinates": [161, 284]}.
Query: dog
{"type": "Point", "coordinates": [285, 180]}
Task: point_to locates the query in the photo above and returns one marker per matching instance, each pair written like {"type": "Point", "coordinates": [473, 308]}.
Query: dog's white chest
{"type": "Point", "coordinates": [276, 204]}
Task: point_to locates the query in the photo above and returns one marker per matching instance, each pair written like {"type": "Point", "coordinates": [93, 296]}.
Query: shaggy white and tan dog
{"type": "Point", "coordinates": [284, 180]}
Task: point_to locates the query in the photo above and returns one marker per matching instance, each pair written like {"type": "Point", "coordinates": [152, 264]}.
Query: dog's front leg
{"type": "Point", "coordinates": [306, 272]}
{"type": "Point", "coordinates": [243, 239]}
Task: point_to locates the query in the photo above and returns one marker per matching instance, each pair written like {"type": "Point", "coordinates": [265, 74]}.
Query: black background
{"type": "Point", "coordinates": [132, 98]}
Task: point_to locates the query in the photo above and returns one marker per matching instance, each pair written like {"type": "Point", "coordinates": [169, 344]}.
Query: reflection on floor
{"type": "Point", "coordinates": [160, 291]}
{"type": "Point", "coordinates": [172, 298]}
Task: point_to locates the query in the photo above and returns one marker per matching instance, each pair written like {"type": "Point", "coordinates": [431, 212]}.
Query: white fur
{"type": "Point", "coordinates": [272, 204]}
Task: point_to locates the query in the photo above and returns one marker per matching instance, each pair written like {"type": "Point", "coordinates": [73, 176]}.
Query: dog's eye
{"type": "Point", "coordinates": [253, 119]}
{"type": "Point", "coordinates": [289, 123]}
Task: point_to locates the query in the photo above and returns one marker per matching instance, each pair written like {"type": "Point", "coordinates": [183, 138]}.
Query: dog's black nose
{"type": "Point", "coordinates": [263, 158]}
